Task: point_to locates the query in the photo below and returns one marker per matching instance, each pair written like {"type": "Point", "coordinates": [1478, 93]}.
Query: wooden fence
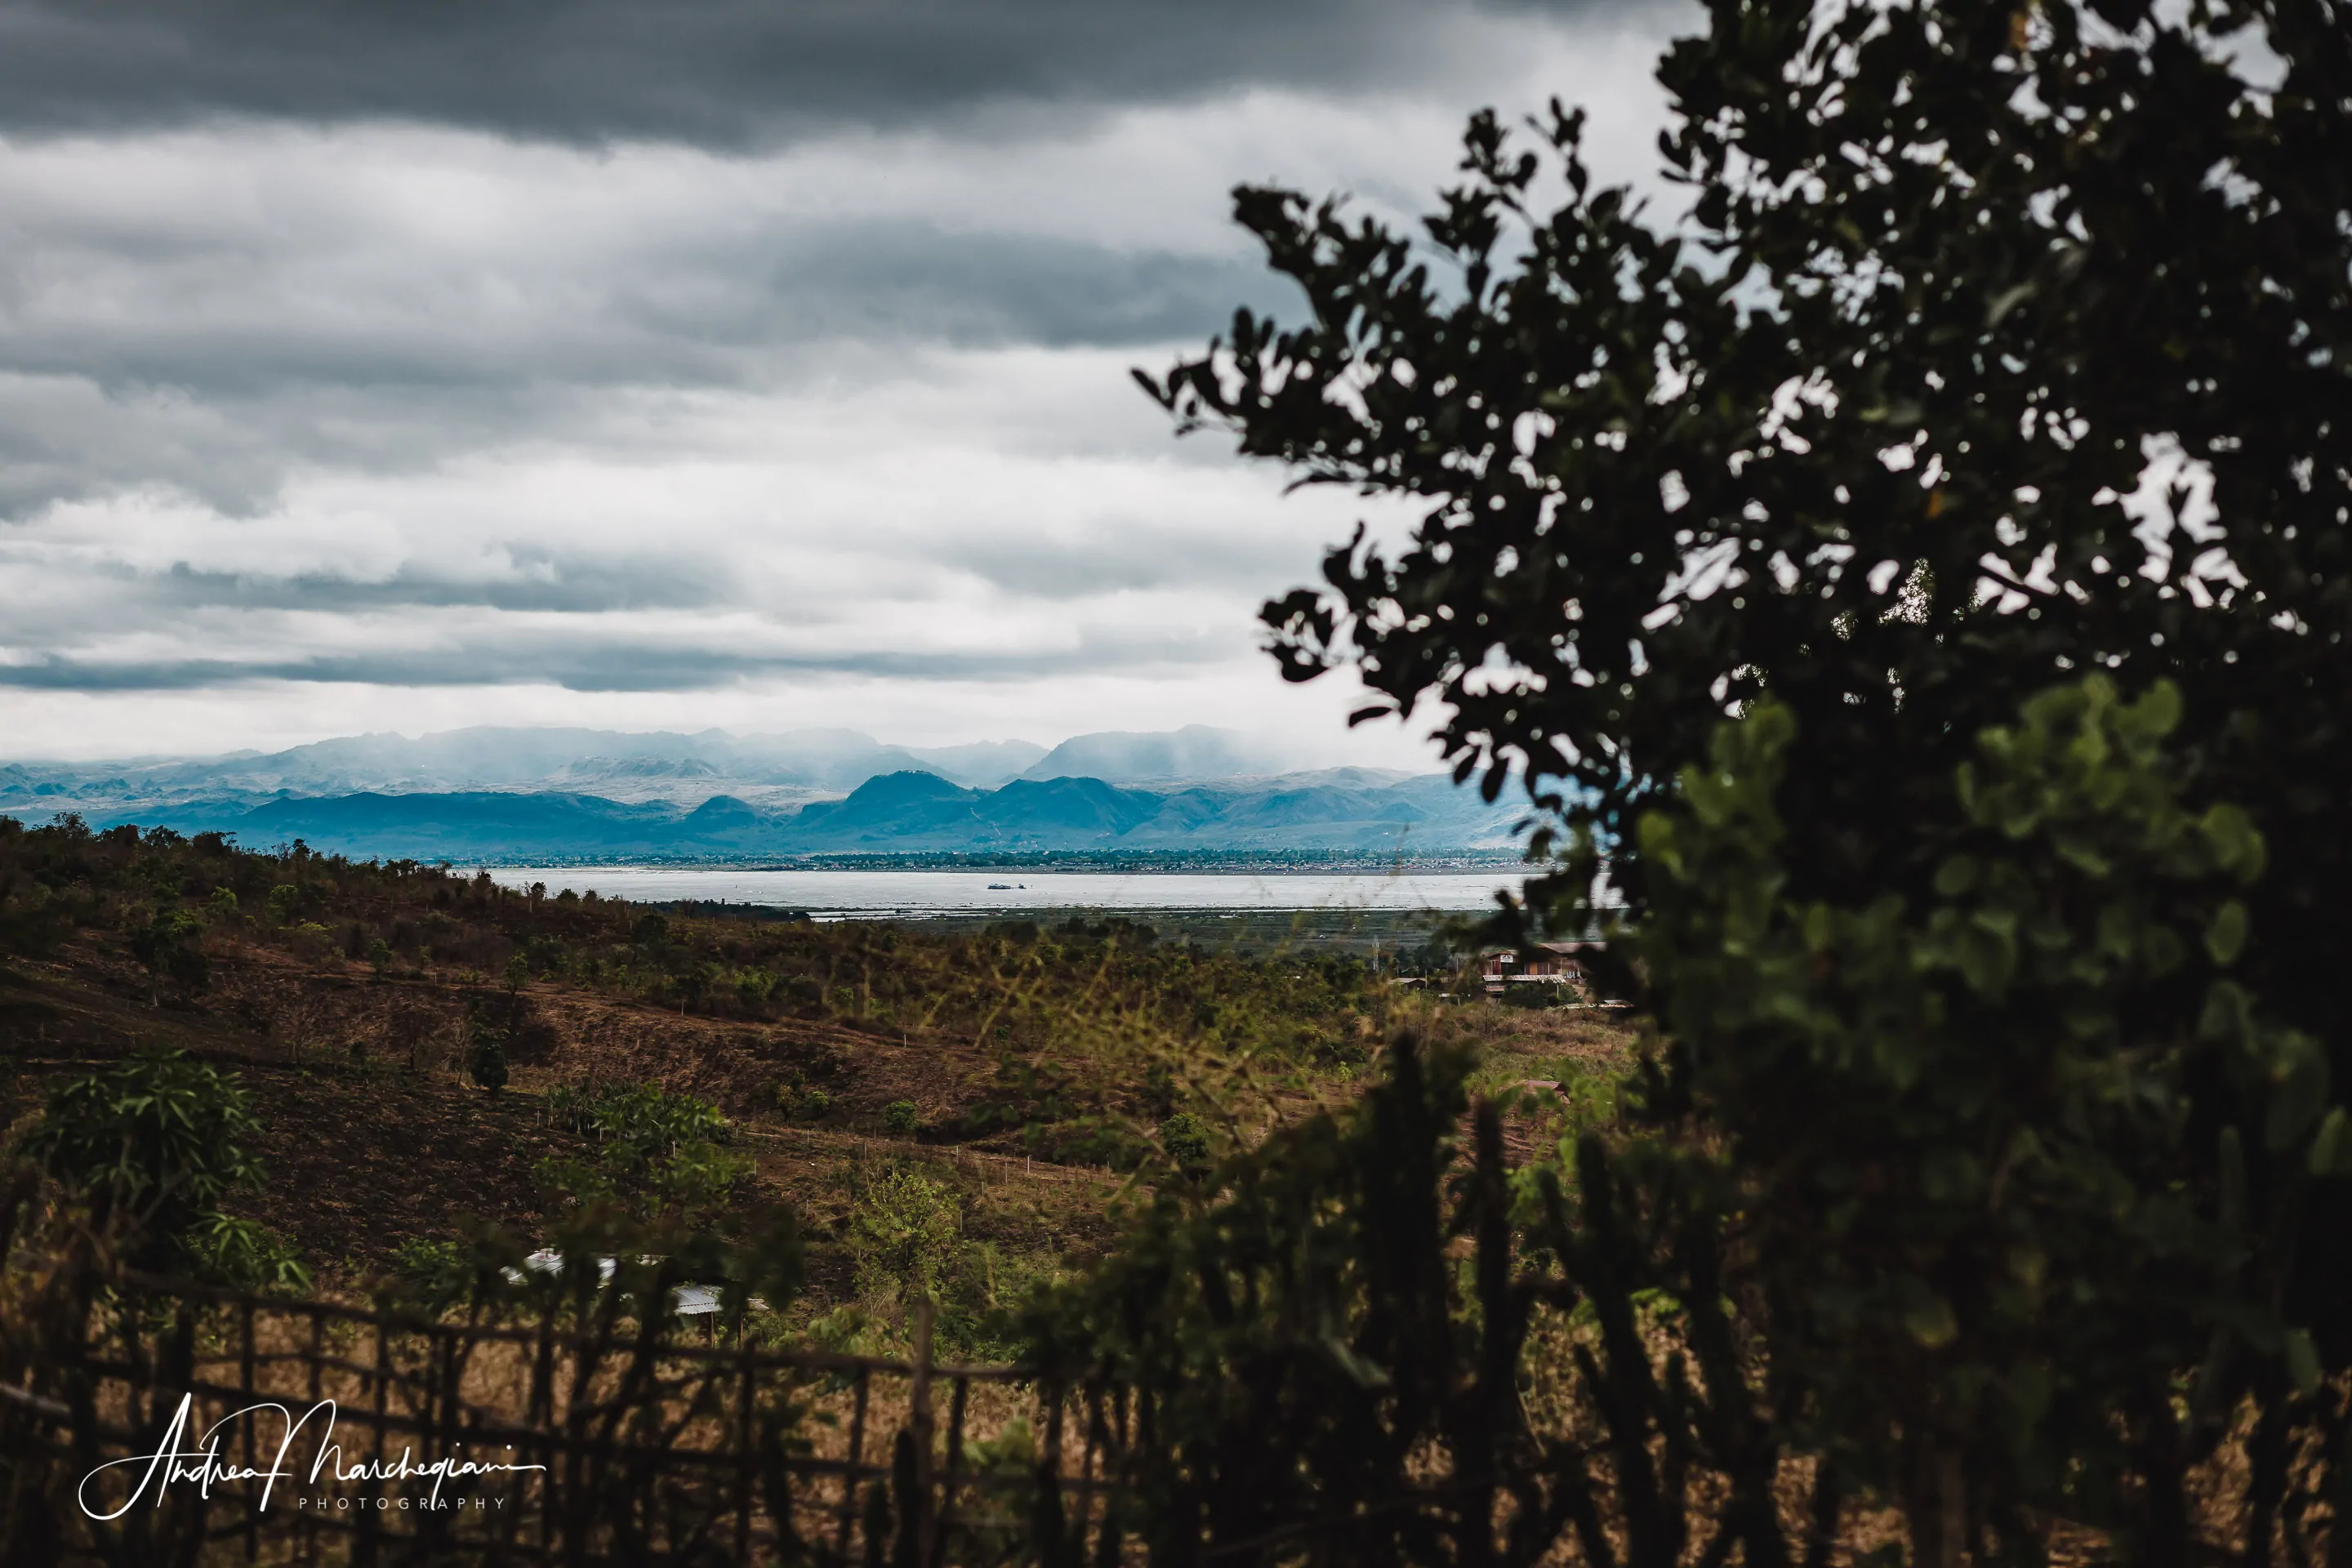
{"type": "Point", "coordinates": [199, 1425]}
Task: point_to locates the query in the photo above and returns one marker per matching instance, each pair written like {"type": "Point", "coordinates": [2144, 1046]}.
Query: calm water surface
{"type": "Point", "coordinates": [848, 894]}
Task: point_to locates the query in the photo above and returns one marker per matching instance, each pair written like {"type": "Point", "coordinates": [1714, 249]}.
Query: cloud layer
{"type": "Point", "coordinates": [725, 73]}
{"type": "Point", "coordinates": [779, 381]}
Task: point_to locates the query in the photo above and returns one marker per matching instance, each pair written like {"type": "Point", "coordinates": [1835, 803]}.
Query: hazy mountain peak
{"type": "Point", "coordinates": [1195, 752]}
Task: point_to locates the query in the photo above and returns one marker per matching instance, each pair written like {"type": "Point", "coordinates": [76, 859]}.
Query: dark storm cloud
{"type": "Point", "coordinates": [586, 661]}
{"type": "Point", "coordinates": [124, 384]}
{"type": "Point", "coordinates": [714, 72]}
{"type": "Point", "coordinates": [770, 350]}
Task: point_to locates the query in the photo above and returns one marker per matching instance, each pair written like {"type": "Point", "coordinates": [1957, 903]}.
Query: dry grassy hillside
{"type": "Point", "coordinates": [1023, 1072]}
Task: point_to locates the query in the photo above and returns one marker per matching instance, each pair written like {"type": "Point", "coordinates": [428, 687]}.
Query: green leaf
{"type": "Point", "coordinates": [2225, 938]}
{"type": "Point", "coordinates": [2302, 1362]}
{"type": "Point", "coordinates": [2236, 845]}
{"type": "Point", "coordinates": [2227, 1015]}
{"type": "Point", "coordinates": [1929, 1320]}
{"type": "Point", "coordinates": [2298, 1092]}
{"type": "Point", "coordinates": [2331, 1149]}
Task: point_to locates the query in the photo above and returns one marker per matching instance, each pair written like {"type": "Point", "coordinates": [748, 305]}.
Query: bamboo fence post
{"type": "Point", "coordinates": [954, 1471]}
{"type": "Point", "coordinates": [747, 1457]}
{"type": "Point", "coordinates": [245, 1377]}
{"type": "Point", "coordinates": [850, 1467]}
{"type": "Point", "coordinates": [372, 1518]}
{"type": "Point", "coordinates": [919, 1422]}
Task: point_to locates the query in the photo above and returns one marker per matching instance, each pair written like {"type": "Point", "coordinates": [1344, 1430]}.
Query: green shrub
{"type": "Point", "coordinates": [798, 1102]}
{"type": "Point", "coordinates": [155, 1144]}
{"type": "Point", "coordinates": [752, 988]}
{"type": "Point", "coordinates": [904, 1232]}
{"type": "Point", "coordinates": [901, 1117]}
{"type": "Point", "coordinates": [171, 946]}
{"type": "Point", "coordinates": [246, 1255]}
{"type": "Point", "coordinates": [657, 1154]}
{"type": "Point", "coordinates": [428, 1276]}
{"type": "Point", "coordinates": [1184, 1137]}
{"type": "Point", "coordinates": [2024, 1097]}
{"type": "Point", "coordinates": [309, 940]}
{"type": "Point", "coordinates": [486, 1048]}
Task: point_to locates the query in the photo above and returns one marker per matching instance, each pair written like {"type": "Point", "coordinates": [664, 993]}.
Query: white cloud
{"type": "Point", "coordinates": [308, 430]}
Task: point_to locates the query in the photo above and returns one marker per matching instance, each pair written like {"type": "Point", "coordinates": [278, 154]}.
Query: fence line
{"type": "Point", "coordinates": [607, 1441]}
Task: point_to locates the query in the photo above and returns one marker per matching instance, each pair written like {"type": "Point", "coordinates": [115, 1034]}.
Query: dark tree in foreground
{"type": "Point", "coordinates": [2001, 348]}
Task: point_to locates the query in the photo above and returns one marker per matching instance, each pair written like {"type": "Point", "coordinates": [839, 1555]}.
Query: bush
{"type": "Point", "coordinates": [901, 1118]}
{"type": "Point", "coordinates": [486, 1049]}
{"type": "Point", "coordinates": [659, 1153]}
{"type": "Point", "coordinates": [904, 1232]}
{"type": "Point", "coordinates": [155, 1144]}
{"type": "Point", "coordinates": [1997, 1052]}
{"type": "Point", "coordinates": [752, 989]}
{"type": "Point", "coordinates": [1184, 1137]}
{"type": "Point", "coordinates": [431, 1273]}
{"type": "Point", "coordinates": [309, 940]}
{"type": "Point", "coordinates": [246, 1255]}
{"type": "Point", "coordinates": [171, 946]}
{"type": "Point", "coordinates": [797, 1102]}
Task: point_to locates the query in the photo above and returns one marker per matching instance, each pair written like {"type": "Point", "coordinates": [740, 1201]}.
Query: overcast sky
{"type": "Point", "coordinates": [666, 364]}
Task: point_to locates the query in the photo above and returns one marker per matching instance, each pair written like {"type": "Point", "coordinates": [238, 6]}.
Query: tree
{"type": "Point", "coordinates": [172, 947]}
{"type": "Point", "coordinates": [485, 1045]}
{"type": "Point", "coordinates": [1984, 1154]}
{"type": "Point", "coordinates": [903, 1234]}
{"type": "Point", "coordinates": [658, 1154]}
{"type": "Point", "coordinates": [1998, 347]}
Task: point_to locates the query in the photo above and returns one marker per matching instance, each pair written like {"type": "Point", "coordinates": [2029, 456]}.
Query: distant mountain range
{"type": "Point", "coordinates": [514, 794]}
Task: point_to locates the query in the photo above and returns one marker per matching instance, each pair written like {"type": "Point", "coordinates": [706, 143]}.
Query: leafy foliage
{"type": "Point", "coordinates": [156, 1144]}
{"type": "Point", "coordinates": [2000, 1026]}
{"type": "Point", "coordinates": [171, 946]}
{"type": "Point", "coordinates": [1184, 1139]}
{"type": "Point", "coordinates": [1987, 1151]}
{"type": "Point", "coordinates": [486, 1046]}
{"type": "Point", "coordinates": [905, 1230]}
{"type": "Point", "coordinates": [659, 1153]}
{"type": "Point", "coordinates": [1333, 1338]}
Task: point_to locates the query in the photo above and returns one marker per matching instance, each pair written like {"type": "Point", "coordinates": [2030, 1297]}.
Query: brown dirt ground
{"type": "Point", "coordinates": [371, 1134]}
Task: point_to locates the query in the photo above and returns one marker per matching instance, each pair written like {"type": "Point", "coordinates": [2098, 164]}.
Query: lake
{"type": "Point", "coordinates": [849, 895]}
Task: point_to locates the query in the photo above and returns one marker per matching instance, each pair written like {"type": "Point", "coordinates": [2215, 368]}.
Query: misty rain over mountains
{"type": "Point", "coordinates": [490, 792]}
